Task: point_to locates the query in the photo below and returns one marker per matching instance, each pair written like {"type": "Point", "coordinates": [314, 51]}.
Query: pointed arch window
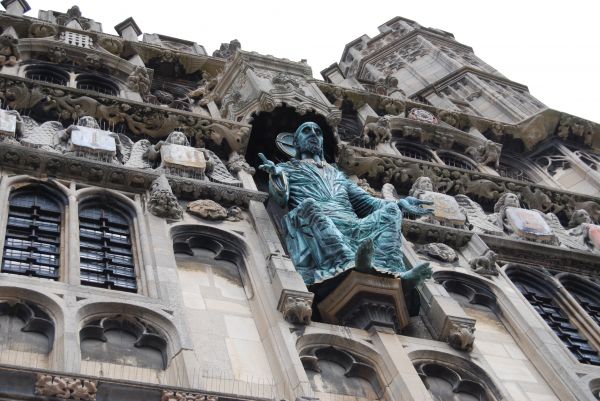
{"type": "Point", "coordinates": [543, 301]}
{"type": "Point", "coordinates": [33, 231]}
{"type": "Point", "coordinates": [105, 249]}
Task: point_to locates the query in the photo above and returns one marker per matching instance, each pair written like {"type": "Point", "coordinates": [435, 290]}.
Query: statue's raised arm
{"type": "Point", "coordinates": [278, 183]}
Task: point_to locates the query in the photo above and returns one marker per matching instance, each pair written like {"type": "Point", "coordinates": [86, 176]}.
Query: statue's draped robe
{"type": "Point", "coordinates": [330, 216]}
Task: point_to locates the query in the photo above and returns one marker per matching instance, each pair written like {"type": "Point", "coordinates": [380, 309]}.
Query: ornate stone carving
{"type": "Point", "coordinates": [423, 115]}
{"type": "Point", "coordinates": [486, 154]}
{"type": "Point", "coordinates": [68, 388]}
{"type": "Point", "coordinates": [42, 30]}
{"type": "Point", "coordinates": [139, 81]}
{"type": "Point", "coordinates": [111, 44]}
{"type": "Point", "coordinates": [461, 336]}
{"type": "Point", "coordinates": [376, 132]}
{"type": "Point", "coordinates": [9, 51]}
{"type": "Point", "coordinates": [438, 251]}
{"type": "Point", "coordinates": [572, 126]}
{"type": "Point", "coordinates": [333, 118]}
{"type": "Point", "coordinates": [174, 395]}
{"type": "Point", "coordinates": [297, 309]}
{"type": "Point", "coordinates": [402, 172]}
{"type": "Point", "coordinates": [154, 121]}
{"type": "Point", "coordinates": [485, 264]}
{"type": "Point", "coordinates": [238, 163]}
{"type": "Point", "coordinates": [207, 209]}
{"type": "Point", "coordinates": [162, 202]}
{"type": "Point", "coordinates": [227, 50]}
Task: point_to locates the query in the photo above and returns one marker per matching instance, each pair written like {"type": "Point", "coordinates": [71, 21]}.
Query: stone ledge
{"type": "Point", "coordinates": [21, 159]}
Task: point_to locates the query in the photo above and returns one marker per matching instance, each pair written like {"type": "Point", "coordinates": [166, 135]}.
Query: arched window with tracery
{"type": "Point", "coordinates": [106, 251]}
{"type": "Point", "coordinates": [585, 292]}
{"type": "Point", "coordinates": [414, 151]}
{"type": "Point", "coordinates": [33, 232]}
{"type": "Point", "coordinates": [541, 298]}
{"type": "Point", "coordinates": [455, 160]}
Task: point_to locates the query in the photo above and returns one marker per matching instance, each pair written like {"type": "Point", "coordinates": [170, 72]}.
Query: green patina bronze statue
{"type": "Point", "coordinates": [333, 224]}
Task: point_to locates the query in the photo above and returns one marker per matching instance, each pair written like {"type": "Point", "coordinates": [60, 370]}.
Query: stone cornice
{"type": "Point", "coordinates": [402, 172]}
{"type": "Point", "coordinates": [456, 75]}
{"type": "Point", "coordinates": [39, 163]}
{"type": "Point", "coordinates": [508, 249]}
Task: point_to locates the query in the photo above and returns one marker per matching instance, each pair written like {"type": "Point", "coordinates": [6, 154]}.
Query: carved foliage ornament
{"type": "Point", "coordinates": [438, 251]}
{"type": "Point", "coordinates": [67, 388]}
{"type": "Point", "coordinates": [173, 395]}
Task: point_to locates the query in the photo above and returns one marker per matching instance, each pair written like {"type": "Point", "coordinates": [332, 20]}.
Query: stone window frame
{"type": "Point", "coordinates": [418, 149]}
{"type": "Point", "coordinates": [73, 74]}
{"type": "Point", "coordinates": [51, 192]}
{"type": "Point", "coordinates": [467, 375]}
{"type": "Point", "coordinates": [132, 211]}
{"type": "Point", "coordinates": [461, 158]}
{"type": "Point", "coordinates": [364, 360]}
{"type": "Point", "coordinates": [117, 270]}
{"type": "Point", "coordinates": [226, 247]}
{"type": "Point", "coordinates": [147, 335]}
{"type": "Point", "coordinates": [564, 301]}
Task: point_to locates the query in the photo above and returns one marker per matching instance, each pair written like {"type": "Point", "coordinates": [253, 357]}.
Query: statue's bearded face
{"type": "Point", "coordinates": [309, 139]}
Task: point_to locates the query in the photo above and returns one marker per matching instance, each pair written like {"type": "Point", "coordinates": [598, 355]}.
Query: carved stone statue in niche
{"type": "Point", "coordinates": [334, 225]}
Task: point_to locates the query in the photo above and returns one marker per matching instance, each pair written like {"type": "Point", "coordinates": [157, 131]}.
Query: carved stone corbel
{"type": "Point", "coordinates": [162, 202]}
{"type": "Point", "coordinates": [461, 335]}
{"type": "Point", "coordinates": [296, 306]}
{"type": "Point", "coordinates": [266, 103]}
{"type": "Point", "coordinates": [485, 264]}
{"type": "Point", "coordinates": [67, 388]}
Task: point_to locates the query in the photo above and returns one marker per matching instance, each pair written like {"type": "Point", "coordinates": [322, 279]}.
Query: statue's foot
{"type": "Point", "coordinates": [364, 256]}
{"type": "Point", "coordinates": [418, 273]}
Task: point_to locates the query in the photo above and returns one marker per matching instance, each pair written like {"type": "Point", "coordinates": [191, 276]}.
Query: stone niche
{"type": "Point", "coordinates": [366, 301]}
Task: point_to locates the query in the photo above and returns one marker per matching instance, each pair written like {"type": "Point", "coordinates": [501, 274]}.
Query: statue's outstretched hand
{"type": "Point", "coordinates": [268, 166]}
{"type": "Point", "coordinates": [413, 206]}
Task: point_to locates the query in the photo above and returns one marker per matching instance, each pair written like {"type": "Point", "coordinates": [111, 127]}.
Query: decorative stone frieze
{"type": "Point", "coordinates": [173, 395]}
{"type": "Point", "coordinates": [64, 387]}
{"type": "Point", "coordinates": [402, 172]}
{"type": "Point", "coordinates": [41, 163]}
{"type": "Point", "coordinates": [59, 102]}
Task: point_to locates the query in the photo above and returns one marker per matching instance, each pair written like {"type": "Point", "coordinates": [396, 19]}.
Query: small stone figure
{"type": "Point", "coordinates": [162, 202]}
{"type": "Point", "coordinates": [486, 154]}
{"type": "Point", "coordinates": [9, 51]}
{"type": "Point", "coordinates": [331, 218]}
{"type": "Point", "coordinates": [376, 132]}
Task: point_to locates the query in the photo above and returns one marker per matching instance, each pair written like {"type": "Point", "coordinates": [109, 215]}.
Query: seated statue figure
{"type": "Point", "coordinates": [333, 224]}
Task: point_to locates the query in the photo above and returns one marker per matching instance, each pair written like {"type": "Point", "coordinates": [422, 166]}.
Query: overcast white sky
{"type": "Point", "coordinates": [551, 46]}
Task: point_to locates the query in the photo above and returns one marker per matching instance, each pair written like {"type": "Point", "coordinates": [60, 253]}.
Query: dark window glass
{"type": "Point", "coordinates": [106, 259]}
{"type": "Point", "coordinates": [510, 171]}
{"type": "Point", "coordinates": [455, 161]}
{"type": "Point", "coordinates": [32, 243]}
{"type": "Point", "coordinates": [413, 152]}
{"type": "Point", "coordinates": [558, 321]}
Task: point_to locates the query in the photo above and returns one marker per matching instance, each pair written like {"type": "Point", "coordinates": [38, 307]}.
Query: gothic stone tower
{"type": "Point", "coordinates": [142, 258]}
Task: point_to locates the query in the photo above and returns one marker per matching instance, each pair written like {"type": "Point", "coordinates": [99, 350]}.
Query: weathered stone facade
{"type": "Point", "coordinates": [142, 259]}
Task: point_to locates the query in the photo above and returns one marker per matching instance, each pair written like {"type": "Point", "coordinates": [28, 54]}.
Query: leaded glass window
{"type": "Point", "coordinates": [555, 317]}
{"type": "Point", "coordinates": [32, 242]}
{"type": "Point", "coordinates": [453, 160]}
{"type": "Point", "coordinates": [105, 249]}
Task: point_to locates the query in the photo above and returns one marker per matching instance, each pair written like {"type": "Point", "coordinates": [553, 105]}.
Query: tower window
{"type": "Point", "coordinates": [97, 83]}
{"type": "Point", "coordinates": [32, 243]}
{"type": "Point", "coordinates": [105, 249]}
